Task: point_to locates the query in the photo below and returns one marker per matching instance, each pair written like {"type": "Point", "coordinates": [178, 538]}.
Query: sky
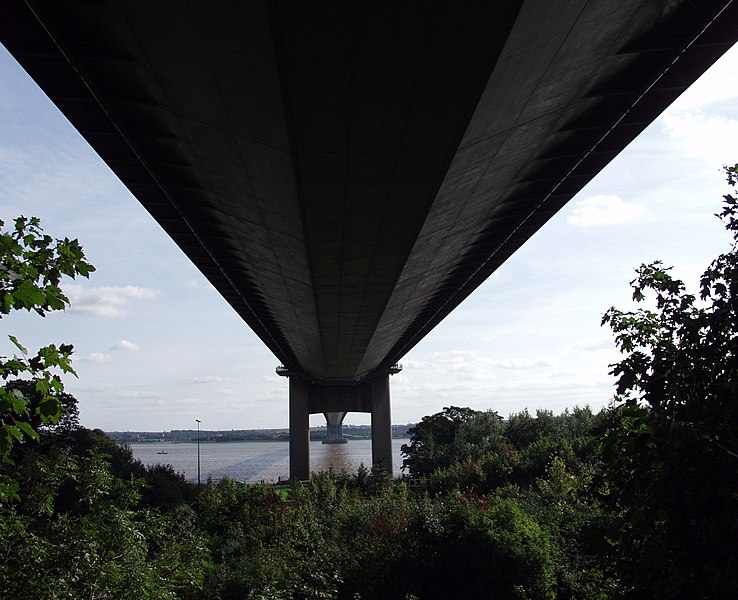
{"type": "Point", "coordinates": [156, 347]}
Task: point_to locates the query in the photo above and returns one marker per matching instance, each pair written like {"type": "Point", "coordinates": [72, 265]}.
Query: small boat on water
{"type": "Point", "coordinates": [162, 452]}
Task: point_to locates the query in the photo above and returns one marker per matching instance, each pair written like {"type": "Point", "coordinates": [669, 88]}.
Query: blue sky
{"type": "Point", "coordinates": [156, 347]}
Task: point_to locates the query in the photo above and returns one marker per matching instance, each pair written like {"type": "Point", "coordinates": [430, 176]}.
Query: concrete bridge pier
{"type": "Point", "coordinates": [334, 428]}
{"type": "Point", "coordinates": [381, 423]}
{"type": "Point", "coordinates": [299, 429]}
{"type": "Point", "coordinates": [334, 401]}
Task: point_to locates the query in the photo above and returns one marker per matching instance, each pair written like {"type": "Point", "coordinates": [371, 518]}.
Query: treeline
{"type": "Point", "coordinates": [94, 522]}
{"type": "Point", "coordinates": [245, 435]}
{"type": "Point", "coordinates": [190, 435]}
{"type": "Point", "coordinates": [529, 507]}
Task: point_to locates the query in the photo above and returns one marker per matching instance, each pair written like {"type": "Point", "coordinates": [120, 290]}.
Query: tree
{"type": "Point", "coordinates": [78, 533]}
{"type": "Point", "coordinates": [672, 445]}
{"type": "Point", "coordinates": [68, 419]}
{"type": "Point", "coordinates": [485, 547]}
{"type": "Point", "coordinates": [430, 440]}
{"type": "Point", "coordinates": [31, 268]}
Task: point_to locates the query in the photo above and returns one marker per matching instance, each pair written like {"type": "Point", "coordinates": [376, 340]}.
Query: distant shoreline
{"type": "Point", "coordinates": [312, 440]}
{"type": "Point", "coordinates": [351, 432]}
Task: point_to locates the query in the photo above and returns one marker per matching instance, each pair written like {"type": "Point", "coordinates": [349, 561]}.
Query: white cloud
{"type": "Point", "coordinates": [450, 359]}
{"type": "Point", "coordinates": [592, 344]}
{"type": "Point", "coordinates": [126, 346]}
{"type": "Point", "coordinates": [96, 357]}
{"type": "Point", "coordinates": [147, 394]}
{"type": "Point", "coordinates": [605, 210]}
{"type": "Point", "coordinates": [465, 360]}
{"type": "Point", "coordinates": [448, 389]}
{"type": "Point", "coordinates": [105, 301]}
{"type": "Point", "coordinates": [521, 363]}
{"type": "Point", "coordinates": [211, 379]}
{"type": "Point", "coordinates": [468, 366]}
{"type": "Point", "coordinates": [711, 139]}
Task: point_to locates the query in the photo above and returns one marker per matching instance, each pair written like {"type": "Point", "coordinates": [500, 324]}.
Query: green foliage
{"type": "Point", "coordinates": [31, 268]}
{"type": "Point", "coordinates": [85, 524]}
{"type": "Point", "coordinates": [482, 452]}
{"type": "Point", "coordinates": [672, 443]}
{"type": "Point", "coordinates": [430, 440]}
{"type": "Point", "coordinates": [268, 543]}
{"type": "Point", "coordinates": [479, 548]}
{"type": "Point", "coordinates": [547, 466]}
{"type": "Point", "coordinates": [32, 265]}
{"type": "Point", "coordinates": [88, 533]}
{"type": "Point", "coordinates": [68, 420]}
{"type": "Point", "coordinates": [78, 527]}
{"type": "Point", "coordinates": [568, 507]}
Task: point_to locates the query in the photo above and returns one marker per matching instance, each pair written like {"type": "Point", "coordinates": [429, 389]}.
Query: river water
{"type": "Point", "coordinates": [258, 461]}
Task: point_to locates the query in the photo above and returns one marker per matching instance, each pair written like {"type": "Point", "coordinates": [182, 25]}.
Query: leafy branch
{"type": "Point", "coordinates": [32, 265]}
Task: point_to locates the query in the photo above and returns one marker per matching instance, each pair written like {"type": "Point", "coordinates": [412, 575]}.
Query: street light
{"type": "Point", "coordinates": [198, 452]}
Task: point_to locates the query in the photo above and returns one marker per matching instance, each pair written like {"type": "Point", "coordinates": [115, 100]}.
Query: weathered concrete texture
{"type": "Point", "coordinates": [346, 173]}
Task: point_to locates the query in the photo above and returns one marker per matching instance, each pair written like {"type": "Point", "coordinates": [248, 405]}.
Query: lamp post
{"type": "Point", "coordinates": [198, 452]}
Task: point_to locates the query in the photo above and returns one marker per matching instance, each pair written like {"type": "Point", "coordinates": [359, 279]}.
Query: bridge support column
{"type": "Point", "coordinates": [334, 400]}
{"type": "Point", "coordinates": [381, 423]}
{"type": "Point", "coordinates": [334, 428]}
{"type": "Point", "coordinates": [299, 429]}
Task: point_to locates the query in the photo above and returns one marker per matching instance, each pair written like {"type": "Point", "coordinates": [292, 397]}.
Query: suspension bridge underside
{"type": "Point", "coordinates": [346, 173]}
